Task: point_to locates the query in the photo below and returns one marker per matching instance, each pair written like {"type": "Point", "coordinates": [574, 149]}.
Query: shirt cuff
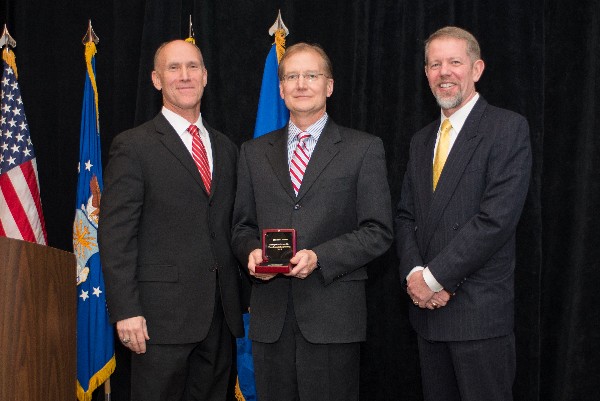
{"type": "Point", "coordinates": [431, 282]}
{"type": "Point", "coordinates": [415, 269]}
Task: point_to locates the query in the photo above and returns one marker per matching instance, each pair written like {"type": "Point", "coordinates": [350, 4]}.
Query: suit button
{"type": "Point", "coordinates": [455, 226]}
{"type": "Point", "coordinates": [297, 207]}
{"type": "Point", "coordinates": [213, 268]}
{"type": "Point", "coordinates": [415, 228]}
{"type": "Point", "coordinates": [213, 235]}
{"type": "Point", "coordinates": [210, 203]}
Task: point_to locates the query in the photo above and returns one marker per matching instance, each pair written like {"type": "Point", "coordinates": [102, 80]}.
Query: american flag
{"type": "Point", "coordinates": [21, 214]}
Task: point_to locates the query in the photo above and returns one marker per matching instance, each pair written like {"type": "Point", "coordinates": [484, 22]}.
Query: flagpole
{"type": "Point", "coordinates": [107, 390]}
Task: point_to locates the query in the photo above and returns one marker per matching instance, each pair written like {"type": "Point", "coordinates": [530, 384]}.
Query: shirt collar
{"type": "Point", "coordinates": [179, 123]}
{"type": "Point", "coordinates": [314, 130]}
{"type": "Point", "coordinates": [458, 118]}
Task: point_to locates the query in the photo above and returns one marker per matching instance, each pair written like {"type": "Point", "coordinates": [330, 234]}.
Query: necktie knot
{"type": "Point", "coordinates": [192, 129]}
{"type": "Point", "coordinates": [303, 136]}
{"type": "Point", "coordinates": [446, 126]}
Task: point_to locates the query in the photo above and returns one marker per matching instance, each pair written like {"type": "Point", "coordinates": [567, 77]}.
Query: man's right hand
{"type": "Point", "coordinates": [133, 333]}
{"type": "Point", "coordinates": [255, 258]}
{"type": "Point", "coordinates": [438, 300]}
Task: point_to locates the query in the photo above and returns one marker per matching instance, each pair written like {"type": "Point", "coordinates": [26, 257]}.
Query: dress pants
{"type": "Point", "coordinates": [293, 369]}
{"type": "Point", "coordinates": [185, 372]}
{"type": "Point", "coordinates": [468, 370]}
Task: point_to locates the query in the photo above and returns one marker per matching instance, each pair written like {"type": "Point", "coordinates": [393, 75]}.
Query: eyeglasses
{"type": "Point", "coordinates": [308, 76]}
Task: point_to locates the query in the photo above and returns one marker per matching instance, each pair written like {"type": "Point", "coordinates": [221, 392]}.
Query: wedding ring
{"type": "Point", "coordinates": [126, 341]}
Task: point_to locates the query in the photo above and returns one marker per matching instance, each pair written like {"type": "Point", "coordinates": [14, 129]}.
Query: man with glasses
{"type": "Point", "coordinates": [329, 183]}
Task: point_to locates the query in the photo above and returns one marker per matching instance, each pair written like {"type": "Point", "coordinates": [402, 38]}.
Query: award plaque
{"type": "Point", "coordinates": [278, 247]}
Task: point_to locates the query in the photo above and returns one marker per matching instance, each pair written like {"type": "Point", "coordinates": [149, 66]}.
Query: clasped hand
{"type": "Point", "coordinates": [422, 296]}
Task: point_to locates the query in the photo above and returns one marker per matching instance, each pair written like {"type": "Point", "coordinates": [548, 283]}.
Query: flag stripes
{"type": "Point", "coordinates": [20, 197]}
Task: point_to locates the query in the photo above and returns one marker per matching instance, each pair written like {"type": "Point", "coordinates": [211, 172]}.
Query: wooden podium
{"type": "Point", "coordinates": [38, 322]}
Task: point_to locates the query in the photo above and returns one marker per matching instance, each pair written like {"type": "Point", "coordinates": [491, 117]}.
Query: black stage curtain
{"type": "Point", "coordinates": [541, 59]}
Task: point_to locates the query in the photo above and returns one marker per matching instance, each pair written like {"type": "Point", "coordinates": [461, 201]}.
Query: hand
{"type": "Point", "coordinates": [255, 258]}
{"type": "Point", "coordinates": [438, 300]}
{"type": "Point", "coordinates": [133, 333]}
{"type": "Point", "coordinates": [418, 290]}
{"type": "Point", "coordinates": [304, 262]}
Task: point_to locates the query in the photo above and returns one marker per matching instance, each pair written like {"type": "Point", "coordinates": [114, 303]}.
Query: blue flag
{"type": "Point", "coordinates": [95, 341]}
{"type": "Point", "coordinates": [245, 386]}
{"type": "Point", "coordinates": [272, 113]}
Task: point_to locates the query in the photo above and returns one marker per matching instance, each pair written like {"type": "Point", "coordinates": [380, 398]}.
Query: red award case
{"type": "Point", "coordinates": [278, 247]}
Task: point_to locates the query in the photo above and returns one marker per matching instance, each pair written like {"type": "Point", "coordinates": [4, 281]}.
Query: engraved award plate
{"type": "Point", "coordinates": [278, 247]}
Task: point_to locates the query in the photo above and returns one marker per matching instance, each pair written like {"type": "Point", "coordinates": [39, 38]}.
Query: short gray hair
{"type": "Point", "coordinates": [473, 50]}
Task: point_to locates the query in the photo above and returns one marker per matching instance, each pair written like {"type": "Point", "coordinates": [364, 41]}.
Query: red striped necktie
{"type": "Point", "coordinates": [299, 161]}
{"type": "Point", "coordinates": [200, 156]}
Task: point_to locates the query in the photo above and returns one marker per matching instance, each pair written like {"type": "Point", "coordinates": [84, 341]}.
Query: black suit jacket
{"type": "Point", "coordinates": [465, 230]}
{"type": "Point", "coordinates": [342, 212]}
{"type": "Point", "coordinates": [163, 238]}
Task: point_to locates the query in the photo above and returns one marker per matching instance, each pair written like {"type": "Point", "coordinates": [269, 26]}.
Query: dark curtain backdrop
{"type": "Point", "coordinates": [542, 60]}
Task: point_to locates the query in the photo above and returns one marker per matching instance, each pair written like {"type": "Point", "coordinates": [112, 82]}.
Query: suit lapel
{"type": "Point", "coordinates": [171, 140]}
{"type": "Point", "coordinates": [277, 154]}
{"type": "Point", "coordinates": [278, 158]}
{"type": "Point", "coordinates": [217, 156]}
{"type": "Point", "coordinates": [458, 159]}
{"type": "Point", "coordinates": [323, 153]}
{"type": "Point", "coordinates": [424, 175]}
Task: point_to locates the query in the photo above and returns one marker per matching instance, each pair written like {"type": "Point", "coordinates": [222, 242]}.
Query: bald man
{"type": "Point", "coordinates": [172, 281]}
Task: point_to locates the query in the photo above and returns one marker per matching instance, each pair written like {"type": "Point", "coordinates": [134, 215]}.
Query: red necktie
{"type": "Point", "coordinates": [299, 161]}
{"type": "Point", "coordinates": [200, 156]}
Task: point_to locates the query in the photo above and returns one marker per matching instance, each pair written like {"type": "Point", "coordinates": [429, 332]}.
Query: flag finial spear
{"type": "Point", "coordinates": [191, 30]}
{"type": "Point", "coordinates": [6, 39]}
{"type": "Point", "coordinates": [191, 38]}
{"type": "Point", "coordinates": [278, 25]}
{"type": "Point", "coordinates": [90, 35]}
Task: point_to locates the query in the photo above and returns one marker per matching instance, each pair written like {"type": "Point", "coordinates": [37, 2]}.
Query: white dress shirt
{"type": "Point", "coordinates": [180, 125]}
{"type": "Point", "coordinates": [457, 120]}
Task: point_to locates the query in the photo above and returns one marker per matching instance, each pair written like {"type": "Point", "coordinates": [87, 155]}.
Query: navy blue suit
{"type": "Point", "coordinates": [464, 231]}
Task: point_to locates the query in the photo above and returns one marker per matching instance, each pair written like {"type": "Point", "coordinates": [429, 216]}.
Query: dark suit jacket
{"type": "Point", "coordinates": [465, 230]}
{"type": "Point", "coordinates": [163, 238]}
{"type": "Point", "coordinates": [342, 212]}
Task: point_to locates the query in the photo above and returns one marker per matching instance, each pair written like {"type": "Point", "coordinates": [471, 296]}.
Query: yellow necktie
{"type": "Point", "coordinates": [441, 153]}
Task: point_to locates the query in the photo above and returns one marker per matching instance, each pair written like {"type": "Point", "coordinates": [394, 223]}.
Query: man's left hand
{"type": "Point", "coordinates": [418, 290]}
{"type": "Point", "coordinates": [304, 262]}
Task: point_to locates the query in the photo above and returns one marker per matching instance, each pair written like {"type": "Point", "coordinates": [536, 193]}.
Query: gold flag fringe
{"type": "Point", "coordinates": [90, 51]}
{"type": "Point", "coordinates": [238, 392]}
{"type": "Point", "coordinates": [10, 58]}
{"type": "Point", "coordinates": [100, 377]}
{"type": "Point", "coordinates": [280, 43]}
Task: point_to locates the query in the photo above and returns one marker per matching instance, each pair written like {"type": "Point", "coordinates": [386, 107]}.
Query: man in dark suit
{"type": "Point", "coordinates": [461, 200]}
{"type": "Point", "coordinates": [329, 183]}
{"type": "Point", "coordinates": [172, 281]}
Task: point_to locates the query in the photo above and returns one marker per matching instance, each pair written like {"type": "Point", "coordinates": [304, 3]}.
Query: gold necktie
{"type": "Point", "coordinates": [441, 153]}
